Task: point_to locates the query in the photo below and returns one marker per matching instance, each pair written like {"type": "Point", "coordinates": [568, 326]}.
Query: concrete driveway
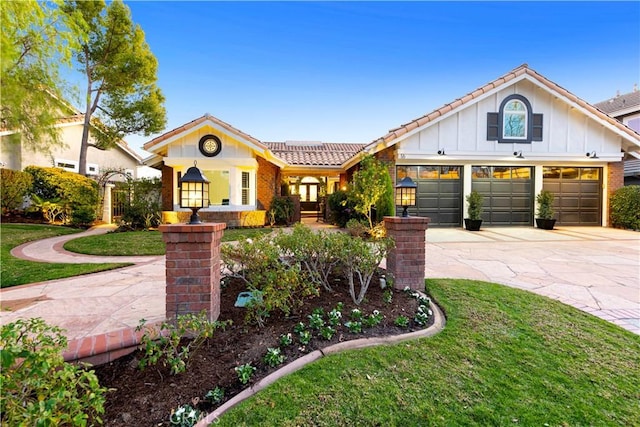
{"type": "Point", "coordinates": [594, 269]}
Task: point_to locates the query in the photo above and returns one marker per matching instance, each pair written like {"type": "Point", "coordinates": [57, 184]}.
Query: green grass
{"type": "Point", "coordinates": [14, 271]}
{"type": "Point", "coordinates": [142, 242]}
{"type": "Point", "coordinates": [505, 357]}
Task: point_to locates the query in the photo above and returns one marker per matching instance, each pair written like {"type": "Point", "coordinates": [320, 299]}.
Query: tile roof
{"type": "Point", "coordinates": [313, 153]}
{"type": "Point", "coordinates": [620, 102]}
{"type": "Point", "coordinates": [522, 69]}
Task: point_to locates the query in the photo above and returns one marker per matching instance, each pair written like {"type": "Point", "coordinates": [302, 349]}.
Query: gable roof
{"type": "Point", "coordinates": [313, 153]}
{"type": "Point", "coordinates": [167, 137]}
{"type": "Point", "coordinates": [625, 104]}
{"type": "Point", "coordinates": [518, 73]}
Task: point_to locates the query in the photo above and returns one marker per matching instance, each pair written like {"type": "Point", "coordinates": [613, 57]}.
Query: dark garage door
{"type": "Point", "coordinates": [439, 193]}
{"type": "Point", "coordinates": [578, 194]}
{"type": "Point", "coordinates": [508, 194]}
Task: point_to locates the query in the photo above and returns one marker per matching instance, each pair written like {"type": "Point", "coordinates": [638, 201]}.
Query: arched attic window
{"type": "Point", "coordinates": [515, 122]}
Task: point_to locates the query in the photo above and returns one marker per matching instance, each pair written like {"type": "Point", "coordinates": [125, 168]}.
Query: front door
{"type": "Point", "coordinates": [308, 197]}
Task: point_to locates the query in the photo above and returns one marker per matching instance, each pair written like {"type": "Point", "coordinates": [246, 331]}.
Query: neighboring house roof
{"type": "Point", "coordinates": [521, 72]}
{"type": "Point", "coordinates": [166, 137]}
{"type": "Point", "coordinates": [312, 153]}
{"type": "Point", "coordinates": [620, 104]}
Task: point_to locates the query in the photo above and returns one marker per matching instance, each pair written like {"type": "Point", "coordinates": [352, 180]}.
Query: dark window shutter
{"type": "Point", "coordinates": [179, 178]}
{"type": "Point", "coordinates": [536, 130]}
{"type": "Point", "coordinates": [493, 130]}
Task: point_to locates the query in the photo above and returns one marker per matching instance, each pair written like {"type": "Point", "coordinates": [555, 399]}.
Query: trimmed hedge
{"type": "Point", "coordinates": [625, 207]}
{"type": "Point", "coordinates": [14, 187]}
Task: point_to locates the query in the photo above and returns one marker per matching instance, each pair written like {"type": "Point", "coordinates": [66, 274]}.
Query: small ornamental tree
{"type": "Point", "coordinates": [369, 186]}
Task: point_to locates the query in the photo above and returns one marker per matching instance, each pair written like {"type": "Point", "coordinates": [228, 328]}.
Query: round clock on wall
{"type": "Point", "coordinates": [210, 145]}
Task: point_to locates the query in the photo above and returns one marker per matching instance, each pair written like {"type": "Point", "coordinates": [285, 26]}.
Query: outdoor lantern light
{"type": "Point", "coordinates": [406, 194]}
{"type": "Point", "coordinates": [194, 192]}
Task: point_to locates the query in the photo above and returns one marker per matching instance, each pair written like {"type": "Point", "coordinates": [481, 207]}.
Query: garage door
{"type": "Point", "coordinates": [578, 194]}
{"type": "Point", "coordinates": [508, 194]}
{"type": "Point", "coordinates": [439, 194]}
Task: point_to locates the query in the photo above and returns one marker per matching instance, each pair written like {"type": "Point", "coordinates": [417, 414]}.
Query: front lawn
{"type": "Point", "coordinates": [14, 271]}
{"type": "Point", "coordinates": [143, 242]}
{"type": "Point", "coordinates": [505, 357]}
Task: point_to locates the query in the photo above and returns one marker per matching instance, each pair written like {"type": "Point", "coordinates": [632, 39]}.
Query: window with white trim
{"type": "Point", "coordinates": [92, 169]}
{"type": "Point", "coordinates": [246, 188]}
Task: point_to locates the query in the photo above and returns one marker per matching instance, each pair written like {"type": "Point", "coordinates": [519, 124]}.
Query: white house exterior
{"type": "Point", "coordinates": [15, 156]}
{"type": "Point", "coordinates": [508, 139]}
{"type": "Point", "coordinates": [560, 143]}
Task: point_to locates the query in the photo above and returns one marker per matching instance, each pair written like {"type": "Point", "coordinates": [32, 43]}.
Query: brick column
{"type": "Point", "coordinates": [406, 261]}
{"type": "Point", "coordinates": [193, 268]}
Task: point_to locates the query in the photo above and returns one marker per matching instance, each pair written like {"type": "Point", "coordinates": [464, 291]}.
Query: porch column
{"type": "Point", "coordinates": [192, 268]}
{"type": "Point", "coordinates": [406, 261]}
{"type": "Point", "coordinates": [107, 209]}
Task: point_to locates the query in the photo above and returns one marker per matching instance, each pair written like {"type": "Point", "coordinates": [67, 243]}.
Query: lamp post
{"type": "Point", "coordinates": [406, 194]}
{"type": "Point", "coordinates": [194, 192]}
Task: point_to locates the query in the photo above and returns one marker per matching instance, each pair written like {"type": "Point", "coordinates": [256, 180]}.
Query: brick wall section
{"type": "Point", "coordinates": [406, 261]}
{"type": "Point", "coordinates": [388, 155]}
{"type": "Point", "coordinates": [268, 183]}
{"type": "Point", "coordinates": [233, 219]}
{"type": "Point", "coordinates": [615, 180]}
{"type": "Point", "coordinates": [167, 188]}
{"type": "Point", "coordinates": [192, 268]}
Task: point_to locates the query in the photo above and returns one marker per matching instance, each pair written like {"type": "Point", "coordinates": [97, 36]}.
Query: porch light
{"type": "Point", "coordinates": [194, 192]}
{"type": "Point", "coordinates": [406, 194]}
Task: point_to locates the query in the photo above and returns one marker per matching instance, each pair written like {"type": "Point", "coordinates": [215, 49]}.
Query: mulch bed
{"type": "Point", "coordinates": [146, 398]}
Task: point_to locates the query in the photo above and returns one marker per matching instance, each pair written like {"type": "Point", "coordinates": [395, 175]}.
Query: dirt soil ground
{"type": "Point", "coordinates": [147, 397]}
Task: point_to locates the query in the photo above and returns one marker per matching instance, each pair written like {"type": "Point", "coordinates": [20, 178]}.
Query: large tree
{"type": "Point", "coordinates": [121, 96]}
{"type": "Point", "coordinates": [36, 40]}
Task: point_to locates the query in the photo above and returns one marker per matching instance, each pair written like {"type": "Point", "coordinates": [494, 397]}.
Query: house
{"type": "Point", "coordinates": [245, 173]}
{"type": "Point", "coordinates": [15, 156]}
{"type": "Point", "coordinates": [508, 139]}
{"type": "Point", "coordinates": [626, 109]}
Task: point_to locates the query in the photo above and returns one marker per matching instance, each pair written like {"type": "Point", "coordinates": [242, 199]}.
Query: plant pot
{"type": "Point", "coordinates": [472, 224]}
{"type": "Point", "coordinates": [545, 224]}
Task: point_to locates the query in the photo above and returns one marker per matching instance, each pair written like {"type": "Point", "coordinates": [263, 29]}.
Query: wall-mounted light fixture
{"type": "Point", "coordinates": [518, 154]}
{"type": "Point", "coordinates": [406, 194]}
{"type": "Point", "coordinates": [592, 155]}
{"type": "Point", "coordinates": [194, 192]}
{"type": "Point", "coordinates": [441, 152]}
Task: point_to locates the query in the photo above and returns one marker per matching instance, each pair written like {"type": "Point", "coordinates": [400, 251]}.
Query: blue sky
{"type": "Point", "coordinates": [349, 72]}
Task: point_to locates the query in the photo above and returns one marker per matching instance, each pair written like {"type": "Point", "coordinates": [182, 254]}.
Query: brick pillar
{"type": "Point", "coordinates": [193, 268]}
{"type": "Point", "coordinates": [406, 261]}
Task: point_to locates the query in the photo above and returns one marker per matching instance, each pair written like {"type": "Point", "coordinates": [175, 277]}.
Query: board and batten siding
{"type": "Point", "coordinates": [566, 130]}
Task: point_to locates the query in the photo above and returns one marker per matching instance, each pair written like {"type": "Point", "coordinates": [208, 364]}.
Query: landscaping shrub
{"type": "Point", "coordinates": [386, 205]}
{"type": "Point", "coordinates": [142, 207]}
{"type": "Point", "coordinates": [70, 191]}
{"type": "Point", "coordinates": [281, 211]}
{"type": "Point", "coordinates": [625, 207]}
{"type": "Point", "coordinates": [360, 262]}
{"type": "Point", "coordinates": [276, 282]}
{"type": "Point", "coordinates": [14, 187]}
{"type": "Point", "coordinates": [357, 227]}
{"type": "Point", "coordinates": [317, 252]}
{"type": "Point", "coordinates": [164, 343]}
{"type": "Point", "coordinates": [342, 209]}
{"type": "Point", "coordinates": [38, 387]}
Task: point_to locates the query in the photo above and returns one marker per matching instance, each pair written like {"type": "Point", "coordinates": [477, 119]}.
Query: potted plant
{"type": "Point", "coordinates": [474, 200]}
{"type": "Point", "coordinates": [545, 219]}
